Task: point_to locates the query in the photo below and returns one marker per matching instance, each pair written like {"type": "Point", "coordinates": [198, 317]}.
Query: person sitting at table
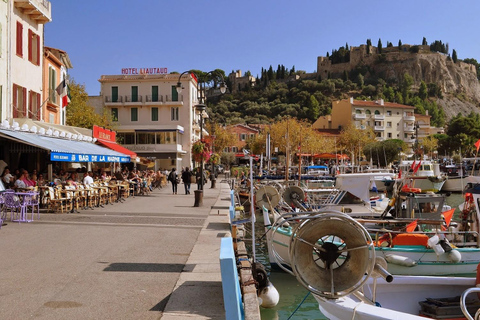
{"type": "Point", "coordinates": [20, 182]}
{"type": "Point", "coordinates": [8, 178]}
{"type": "Point", "coordinates": [71, 182]}
{"type": "Point", "coordinates": [34, 179]}
{"type": "Point", "coordinates": [88, 180]}
{"type": "Point", "coordinates": [28, 181]}
{"type": "Point", "coordinates": [41, 180]}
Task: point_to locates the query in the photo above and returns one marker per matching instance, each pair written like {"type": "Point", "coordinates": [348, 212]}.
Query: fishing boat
{"type": "Point", "coordinates": [439, 246]}
{"type": "Point", "coordinates": [423, 174]}
{"type": "Point", "coordinates": [350, 281]}
{"type": "Point", "coordinates": [457, 180]}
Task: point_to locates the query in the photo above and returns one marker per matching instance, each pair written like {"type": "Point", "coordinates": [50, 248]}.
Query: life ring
{"type": "Point", "coordinates": [408, 189]}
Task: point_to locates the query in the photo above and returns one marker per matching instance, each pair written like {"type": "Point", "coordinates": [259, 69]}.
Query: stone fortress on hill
{"type": "Point", "coordinates": [418, 60]}
{"type": "Point", "coordinates": [368, 55]}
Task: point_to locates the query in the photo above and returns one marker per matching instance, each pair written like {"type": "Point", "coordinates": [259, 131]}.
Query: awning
{"type": "Point", "coordinates": [119, 148]}
{"type": "Point", "coordinates": [65, 149]}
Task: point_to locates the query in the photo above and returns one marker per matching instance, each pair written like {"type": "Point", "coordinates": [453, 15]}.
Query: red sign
{"type": "Point", "coordinates": [104, 134]}
{"type": "Point", "coordinates": [144, 70]}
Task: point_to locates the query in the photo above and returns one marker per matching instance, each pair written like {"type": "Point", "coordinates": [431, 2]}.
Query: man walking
{"type": "Point", "coordinates": [172, 177]}
{"type": "Point", "coordinates": [187, 179]}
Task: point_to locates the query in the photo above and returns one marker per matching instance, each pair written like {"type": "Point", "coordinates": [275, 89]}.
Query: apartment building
{"type": "Point", "coordinates": [243, 132]}
{"type": "Point", "coordinates": [55, 67]}
{"type": "Point", "coordinates": [22, 49]}
{"type": "Point", "coordinates": [388, 120]}
{"type": "Point", "coordinates": [151, 117]}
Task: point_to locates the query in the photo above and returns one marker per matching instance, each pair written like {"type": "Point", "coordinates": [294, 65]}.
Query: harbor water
{"type": "Point", "coordinates": [296, 303]}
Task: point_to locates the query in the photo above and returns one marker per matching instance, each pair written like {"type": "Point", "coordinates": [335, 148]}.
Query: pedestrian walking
{"type": "Point", "coordinates": [174, 179]}
{"type": "Point", "coordinates": [187, 179]}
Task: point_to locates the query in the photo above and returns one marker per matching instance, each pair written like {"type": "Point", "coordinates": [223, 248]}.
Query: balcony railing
{"type": "Point", "coordinates": [408, 117]}
{"type": "Point", "coordinates": [409, 128]}
{"type": "Point", "coordinates": [133, 98]}
{"type": "Point", "coordinates": [111, 99]}
{"type": "Point", "coordinates": [379, 117]}
{"type": "Point", "coordinates": [359, 116]}
{"type": "Point", "coordinates": [157, 98]}
{"type": "Point", "coordinates": [168, 98]}
{"type": "Point", "coordinates": [379, 128]}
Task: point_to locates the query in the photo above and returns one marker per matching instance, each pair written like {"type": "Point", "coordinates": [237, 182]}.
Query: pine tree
{"type": "Point", "coordinates": [454, 56]}
{"type": "Point", "coordinates": [379, 45]}
{"type": "Point", "coordinates": [346, 46]}
{"type": "Point", "coordinates": [424, 41]}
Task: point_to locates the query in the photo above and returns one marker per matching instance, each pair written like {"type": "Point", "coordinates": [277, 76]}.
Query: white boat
{"type": "Point", "coordinates": [407, 253]}
{"type": "Point", "coordinates": [458, 183]}
{"type": "Point", "coordinates": [349, 280]}
{"type": "Point", "coordinates": [424, 175]}
{"type": "Point", "coordinates": [383, 179]}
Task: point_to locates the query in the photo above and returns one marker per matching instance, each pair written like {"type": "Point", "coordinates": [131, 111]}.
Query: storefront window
{"type": "Point", "coordinates": [168, 137]}
{"type": "Point", "coordinates": [145, 137]}
{"type": "Point", "coordinates": [126, 137]}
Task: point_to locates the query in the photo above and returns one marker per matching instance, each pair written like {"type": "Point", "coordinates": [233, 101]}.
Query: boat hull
{"type": "Point", "coordinates": [457, 184]}
{"type": "Point", "coordinates": [427, 261]}
{"type": "Point", "coordinates": [398, 300]}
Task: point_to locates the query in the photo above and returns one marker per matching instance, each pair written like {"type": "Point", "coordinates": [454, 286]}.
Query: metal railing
{"type": "Point", "coordinates": [137, 98]}
{"type": "Point", "coordinates": [151, 98]}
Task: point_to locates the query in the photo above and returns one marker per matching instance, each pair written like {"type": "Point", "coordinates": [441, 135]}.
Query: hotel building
{"type": "Point", "coordinates": [151, 118]}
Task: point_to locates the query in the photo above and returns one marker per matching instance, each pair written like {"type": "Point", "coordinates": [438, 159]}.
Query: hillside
{"type": "Point", "coordinates": [411, 75]}
{"type": "Point", "coordinates": [458, 81]}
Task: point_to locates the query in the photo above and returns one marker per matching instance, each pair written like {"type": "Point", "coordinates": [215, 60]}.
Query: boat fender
{"type": "Point", "coordinates": [400, 260]}
{"type": "Point", "coordinates": [435, 243]}
{"type": "Point", "coordinates": [455, 256]}
{"type": "Point", "coordinates": [268, 296]}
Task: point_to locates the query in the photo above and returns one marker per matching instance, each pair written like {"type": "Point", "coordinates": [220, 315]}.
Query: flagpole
{"type": "Point", "coordinates": [474, 162]}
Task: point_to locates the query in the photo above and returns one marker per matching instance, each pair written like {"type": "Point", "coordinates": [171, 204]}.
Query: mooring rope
{"type": "Point", "coordinates": [299, 305]}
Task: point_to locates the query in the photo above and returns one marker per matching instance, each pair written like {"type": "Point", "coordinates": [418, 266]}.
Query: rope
{"type": "Point", "coordinates": [355, 309]}
{"type": "Point", "coordinates": [299, 306]}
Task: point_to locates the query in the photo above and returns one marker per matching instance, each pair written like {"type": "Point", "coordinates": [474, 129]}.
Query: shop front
{"type": "Point", "coordinates": [47, 151]}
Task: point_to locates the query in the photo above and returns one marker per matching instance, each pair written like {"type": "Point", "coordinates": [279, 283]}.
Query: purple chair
{"type": "Point", "coordinates": [32, 200]}
{"type": "Point", "coordinates": [15, 204]}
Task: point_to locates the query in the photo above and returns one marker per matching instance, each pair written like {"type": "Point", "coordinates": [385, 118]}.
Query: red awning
{"type": "Point", "coordinates": [119, 148]}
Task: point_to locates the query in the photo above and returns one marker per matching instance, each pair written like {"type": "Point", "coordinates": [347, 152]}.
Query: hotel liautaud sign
{"type": "Point", "coordinates": [127, 71]}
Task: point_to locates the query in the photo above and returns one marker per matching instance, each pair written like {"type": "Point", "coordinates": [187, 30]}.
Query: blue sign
{"type": "Point", "coordinates": [72, 157]}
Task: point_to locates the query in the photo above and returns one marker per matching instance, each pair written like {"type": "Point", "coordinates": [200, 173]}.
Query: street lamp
{"type": "Point", "coordinates": [200, 108]}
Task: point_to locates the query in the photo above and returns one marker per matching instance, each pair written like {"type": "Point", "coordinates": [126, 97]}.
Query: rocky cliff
{"type": "Point", "coordinates": [458, 81]}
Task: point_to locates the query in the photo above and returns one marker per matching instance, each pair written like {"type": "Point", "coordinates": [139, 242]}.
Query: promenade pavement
{"type": "Point", "coordinates": [150, 257]}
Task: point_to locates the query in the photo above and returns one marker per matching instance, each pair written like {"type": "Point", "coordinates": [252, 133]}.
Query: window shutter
{"type": "Point", "coordinates": [38, 50]}
{"type": "Point", "coordinates": [30, 104]}
{"type": "Point", "coordinates": [30, 45]}
{"type": "Point", "coordinates": [15, 107]}
{"type": "Point", "coordinates": [25, 102]}
{"type": "Point", "coordinates": [39, 109]}
{"type": "Point", "coordinates": [19, 39]}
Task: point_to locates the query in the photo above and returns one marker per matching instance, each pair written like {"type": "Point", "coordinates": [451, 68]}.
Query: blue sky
{"type": "Point", "coordinates": [104, 36]}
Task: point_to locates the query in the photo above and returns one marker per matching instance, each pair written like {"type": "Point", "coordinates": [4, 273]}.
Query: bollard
{"type": "Point", "coordinates": [198, 198]}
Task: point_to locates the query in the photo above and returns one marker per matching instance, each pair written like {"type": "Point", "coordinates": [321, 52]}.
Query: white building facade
{"type": "Point", "coordinates": [21, 28]}
{"type": "Point", "coordinates": [151, 117]}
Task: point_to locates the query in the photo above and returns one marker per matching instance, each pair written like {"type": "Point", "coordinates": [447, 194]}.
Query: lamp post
{"type": "Point", "coordinates": [200, 108]}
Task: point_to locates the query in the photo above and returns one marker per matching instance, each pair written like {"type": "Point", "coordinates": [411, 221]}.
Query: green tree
{"type": "Point", "coordinates": [406, 84]}
{"type": "Point", "coordinates": [80, 114]}
{"type": "Point", "coordinates": [454, 56]}
{"type": "Point", "coordinates": [313, 109]}
{"type": "Point", "coordinates": [424, 41]}
{"type": "Point", "coordinates": [379, 45]}
{"type": "Point", "coordinates": [400, 44]}
{"type": "Point", "coordinates": [423, 91]}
